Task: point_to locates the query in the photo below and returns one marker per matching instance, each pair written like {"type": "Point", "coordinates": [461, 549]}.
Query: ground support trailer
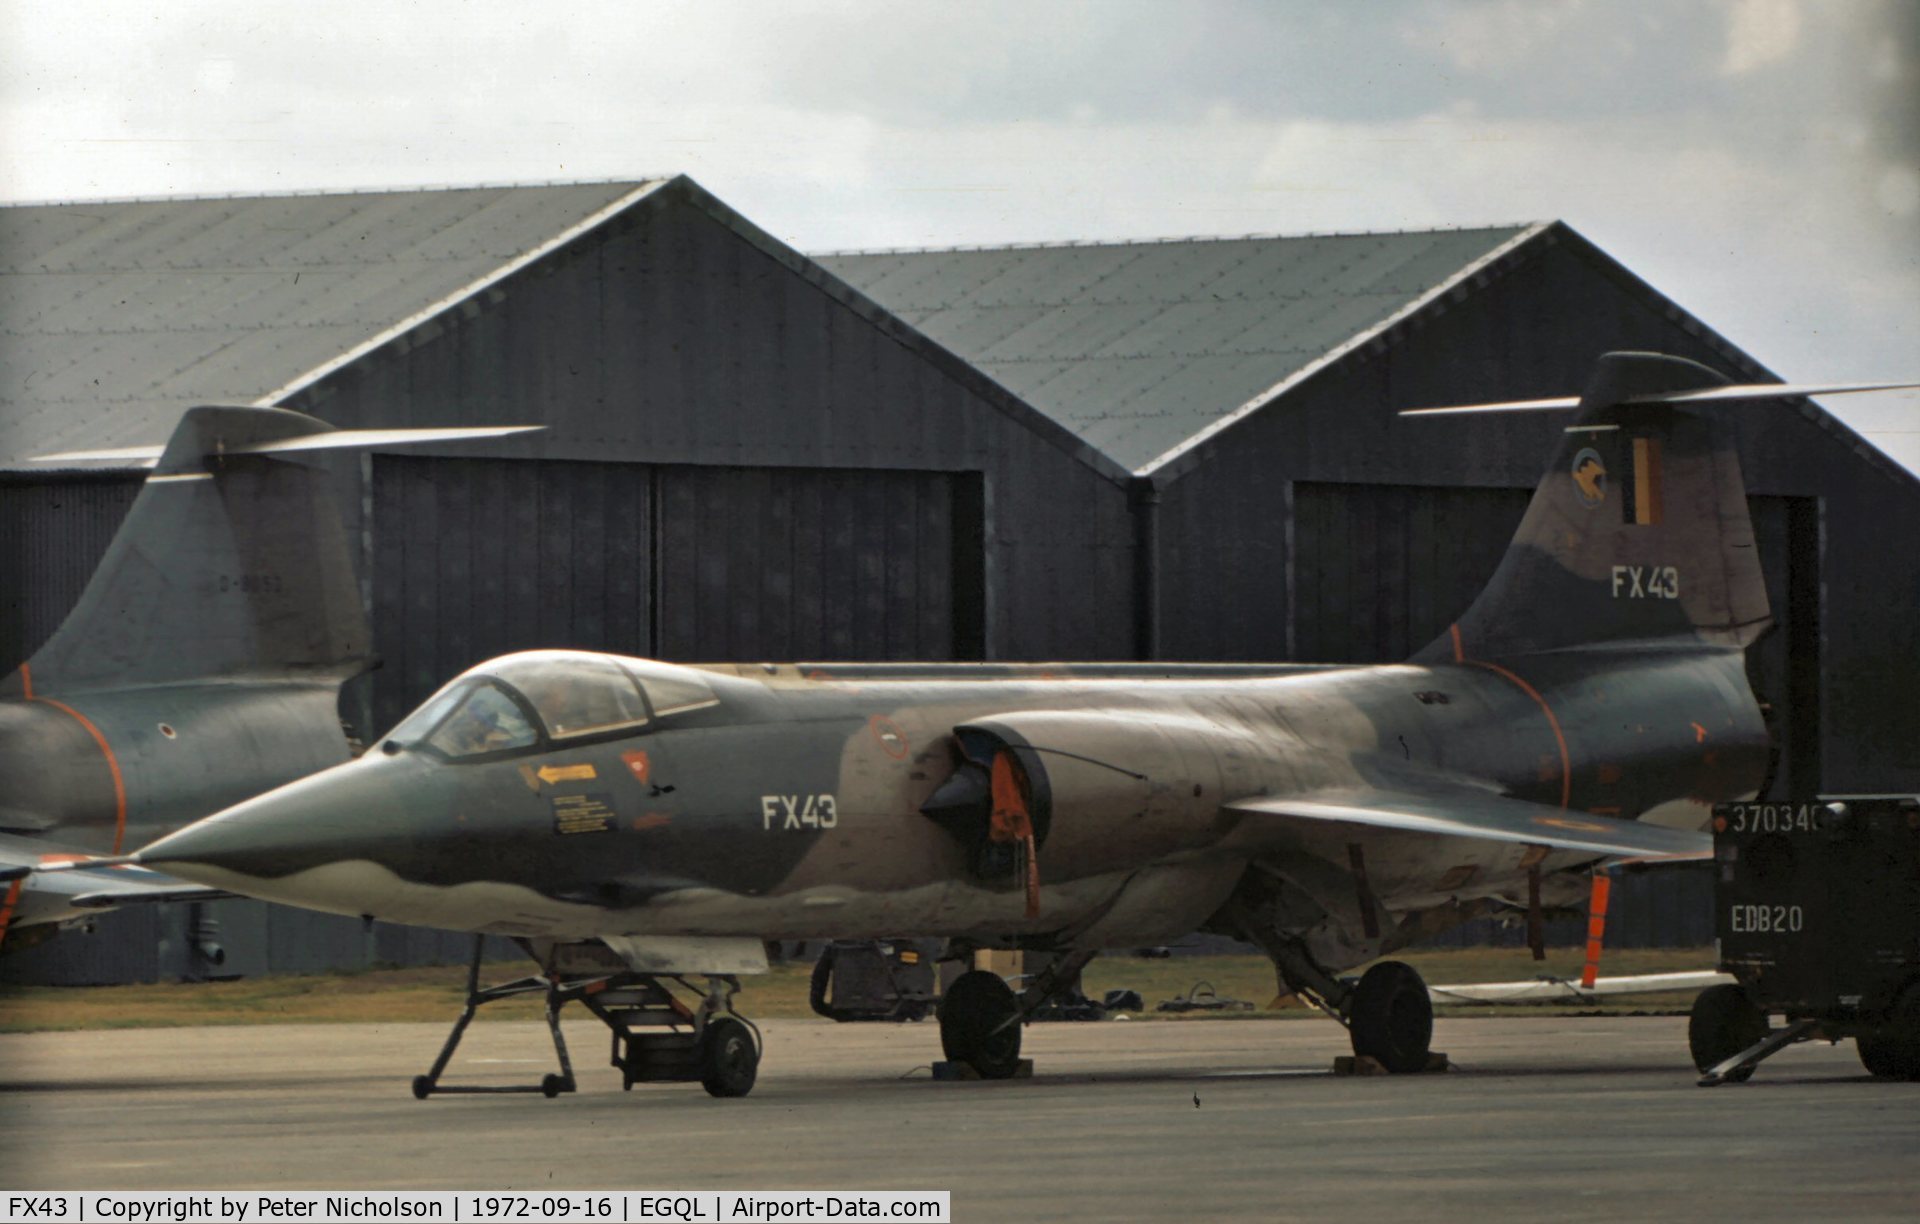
{"type": "Point", "coordinates": [1817, 916]}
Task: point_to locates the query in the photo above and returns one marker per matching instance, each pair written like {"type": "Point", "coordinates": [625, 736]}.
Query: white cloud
{"type": "Point", "coordinates": [1496, 36]}
{"type": "Point", "coordinates": [1760, 33]}
{"type": "Point", "coordinates": [1899, 191]}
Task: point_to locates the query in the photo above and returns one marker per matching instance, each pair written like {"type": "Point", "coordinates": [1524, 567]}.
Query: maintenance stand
{"type": "Point", "coordinates": [657, 1036]}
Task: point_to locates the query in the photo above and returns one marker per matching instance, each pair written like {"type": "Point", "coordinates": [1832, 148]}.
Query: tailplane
{"type": "Point", "coordinates": [1638, 531]}
{"type": "Point", "coordinates": [231, 564]}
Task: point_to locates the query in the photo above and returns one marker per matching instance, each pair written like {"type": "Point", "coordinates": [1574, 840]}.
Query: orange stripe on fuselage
{"type": "Point", "coordinates": [113, 767]}
{"type": "Point", "coordinates": [26, 679]}
{"type": "Point", "coordinates": [1459, 651]}
{"type": "Point", "coordinates": [6, 908]}
{"type": "Point", "coordinates": [1559, 738]}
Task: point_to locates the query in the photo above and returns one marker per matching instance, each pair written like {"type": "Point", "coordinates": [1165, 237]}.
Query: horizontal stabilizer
{"type": "Point", "coordinates": [1461, 812]}
{"type": "Point", "coordinates": [325, 439]}
{"type": "Point", "coordinates": [1701, 395]}
{"type": "Point", "coordinates": [1565, 990]}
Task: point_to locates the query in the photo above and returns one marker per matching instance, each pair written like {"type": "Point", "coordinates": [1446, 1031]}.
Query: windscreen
{"type": "Point", "coordinates": [576, 695]}
{"type": "Point", "coordinates": [485, 720]}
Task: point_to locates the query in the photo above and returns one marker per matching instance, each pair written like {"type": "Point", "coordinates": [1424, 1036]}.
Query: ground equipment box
{"type": "Point", "coordinates": [870, 979]}
{"type": "Point", "coordinates": [1817, 916]}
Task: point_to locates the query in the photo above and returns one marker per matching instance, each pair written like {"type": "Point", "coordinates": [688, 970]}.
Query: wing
{"type": "Point", "coordinates": [1463, 812]}
{"type": "Point", "coordinates": [30, 894]}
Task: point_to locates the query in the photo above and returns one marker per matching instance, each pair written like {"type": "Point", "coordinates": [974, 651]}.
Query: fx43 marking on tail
{"type": "Point", "coordinates": [1646, 582]}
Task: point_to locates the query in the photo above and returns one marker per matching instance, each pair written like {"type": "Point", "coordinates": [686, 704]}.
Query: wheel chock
{"type": "Point", "coordinates": [953, 1070]}
{"type": "Point", "coordinates": [1361, 1064]}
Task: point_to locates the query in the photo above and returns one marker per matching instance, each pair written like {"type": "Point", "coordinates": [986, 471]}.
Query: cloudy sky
{"type": "Point", "coordinates": [1757, 160]}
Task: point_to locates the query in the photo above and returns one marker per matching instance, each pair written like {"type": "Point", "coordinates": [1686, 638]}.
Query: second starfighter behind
{"type": "Point", "coordinates": [1591, 704]}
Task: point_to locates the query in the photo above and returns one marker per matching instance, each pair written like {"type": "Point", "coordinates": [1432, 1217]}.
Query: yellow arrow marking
{"type": "Point", "coordinates": [566, 773]}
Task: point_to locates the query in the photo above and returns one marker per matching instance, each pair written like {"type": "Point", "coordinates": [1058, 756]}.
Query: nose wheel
{"type": "Point", "coordinates": [729, 1058]}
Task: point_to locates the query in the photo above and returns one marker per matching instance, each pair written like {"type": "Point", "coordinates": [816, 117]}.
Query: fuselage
{"type": "Point", "coordinates": [788, 804]}
{"type": "Point", "coordinates": [102, 771]}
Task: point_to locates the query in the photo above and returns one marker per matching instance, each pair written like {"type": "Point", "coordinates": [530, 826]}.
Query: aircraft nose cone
{"type": "Point", "coordinates": [266, 845]}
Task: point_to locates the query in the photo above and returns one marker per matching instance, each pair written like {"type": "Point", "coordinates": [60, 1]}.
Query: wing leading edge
{"type": "Point", "coordinates": [1490, 817]}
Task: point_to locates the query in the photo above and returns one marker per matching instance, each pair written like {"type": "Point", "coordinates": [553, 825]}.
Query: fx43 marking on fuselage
{"type": "Point", "coordinates": [1646, 582]}
{"type": "Point", "coordinates": [798, 811]}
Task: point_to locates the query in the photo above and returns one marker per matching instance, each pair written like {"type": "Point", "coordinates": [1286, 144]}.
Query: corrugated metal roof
{"type": "Point", "coordinates": [1142, 347]}
{"type": "Point", "coordinates": [115, 316]}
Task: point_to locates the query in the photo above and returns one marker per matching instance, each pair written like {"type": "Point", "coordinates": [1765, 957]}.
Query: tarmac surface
{"type": "Point", "coordinates": [1563, 1117]}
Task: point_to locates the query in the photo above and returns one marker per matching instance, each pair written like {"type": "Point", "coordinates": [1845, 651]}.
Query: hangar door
{"type": "Point", "coordinates": [1381, 570]}
{"type": "Point", "coordinates": [472, 558]}
{"type": "Point", "coordinates": [58, 528]}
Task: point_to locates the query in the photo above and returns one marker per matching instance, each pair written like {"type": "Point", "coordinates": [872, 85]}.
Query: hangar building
{"type": "Point", "coordinates": [1182, 449]}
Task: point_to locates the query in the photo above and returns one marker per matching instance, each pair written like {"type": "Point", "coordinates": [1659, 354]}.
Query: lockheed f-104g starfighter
{"type": "Point", "coordinates": [1590, 705]}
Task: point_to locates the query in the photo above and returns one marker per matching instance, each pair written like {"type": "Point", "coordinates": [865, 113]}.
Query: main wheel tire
{"type": "Point", "coordinates": [1723, 1022]}
{"type": "Point", "coordinates": [1390, 1017]}
{"type": "Point", "coordinates": [979, 1024]}
{"type": "Point", "coordinates": [729, 1059]}
{"type": "Point", "coordinates": [1893, 1052]}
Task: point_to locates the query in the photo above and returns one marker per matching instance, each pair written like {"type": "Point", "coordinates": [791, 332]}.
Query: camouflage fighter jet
{"type": "Point", "coordinates": [1590, 704]}
{"type": "Point", "coordinates": [201, 666]}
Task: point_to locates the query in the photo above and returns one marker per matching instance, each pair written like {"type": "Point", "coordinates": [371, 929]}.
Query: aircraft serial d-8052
{"type": "Point", "coordinates": [201, 666]}
{"type": "Point", "coordinates": [1589, 705]}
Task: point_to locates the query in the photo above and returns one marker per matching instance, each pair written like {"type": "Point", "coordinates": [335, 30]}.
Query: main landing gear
{"type": "Point", "coordinates": [981, 1016]}
{"type": "Point", "coordinates": [657, 1037]}
{"type": "Point", "coordinates": [1389, 1016]}
{"type": "Point", "coordinates": [980, 1024]}
{"type": "Point", "coordinates": [1388, 1013]}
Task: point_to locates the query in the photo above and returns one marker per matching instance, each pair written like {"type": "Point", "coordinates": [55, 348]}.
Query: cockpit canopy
{"type": "Point", "coordinates": [515, 701]}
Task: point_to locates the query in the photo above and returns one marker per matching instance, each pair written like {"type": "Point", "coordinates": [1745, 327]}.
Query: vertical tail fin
{"type": "Point", "coordinates": [1638, 531]}
{"type": "Point", "coordinates": [228, 565]}
{"type": "Point", "coordinates": [231, 564]}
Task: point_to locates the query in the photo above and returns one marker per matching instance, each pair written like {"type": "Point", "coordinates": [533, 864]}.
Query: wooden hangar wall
{"type": "Point", "coordinates": [744, 460]}
{"type": "Point", "coordinates": [1325, 528]}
